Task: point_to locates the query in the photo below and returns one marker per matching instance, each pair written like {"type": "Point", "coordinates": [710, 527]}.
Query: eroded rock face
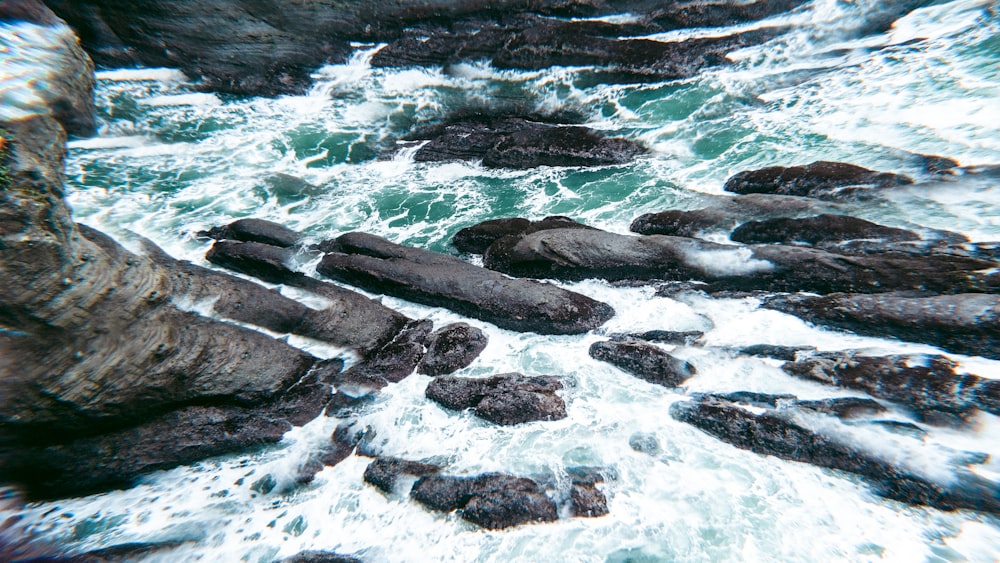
{"type": "Point", "coordinates": [822, 180]}
{"type": "Point", "coordinates": [506, 399]}
{"type": "Point", "coordinates": [493, 500]}
{"type": "Point", "coordinates": [379, 266]}
{"type": "Point", "coordinates": [784, 434]}
{"type": "Point", "coordinates": [644, 361]}
{"type": "Point", "coordinates": [452, 348]}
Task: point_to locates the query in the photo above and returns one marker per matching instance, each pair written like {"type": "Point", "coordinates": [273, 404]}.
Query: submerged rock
{"type": "Point", "coordinates": [965, 323]}
{"type": "Point", "coordinates": [822, 180]}
{"type": "Point", "coordinates": [452, 348]}
{"type": "Point", "coordinates": [492, 500]}
{"type": "Point", "coordinates": [644, 361]}
{"type": "Point", "coordinates": [506, 399]}
{"type": "Point", "coordinates": [380, 266]}
{"type": "Point", "coordinates": [778, 432]}
{"type": "Point", "coordinates": [927, 384]}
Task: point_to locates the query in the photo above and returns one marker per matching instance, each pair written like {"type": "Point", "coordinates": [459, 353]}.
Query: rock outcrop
{"type": "Point", "coordinates": [506, 399]}
{"type": "Point", "coordinates": [452, 348]}
{"type": "Point", "coordinates": [492, 500]}
{"type": "Point", "coordinates": [821, 180]}
{"type": "Point", "coordinates": [479, 237]}
{"type": "Point", "coordinates": [644, 361]}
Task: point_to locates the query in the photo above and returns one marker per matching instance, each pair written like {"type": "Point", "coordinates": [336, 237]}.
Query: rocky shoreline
{"type": "Point", "coordinates": [119, 363]}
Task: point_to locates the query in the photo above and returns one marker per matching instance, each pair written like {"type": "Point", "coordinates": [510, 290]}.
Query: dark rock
{"type": "Point", "coordinates": [378, 265]}
{"type": "Point", "coordinates": [843, 407]}
{"type": "Point", "coordinates": [644, 361]}
{"type": "Point", "coordinates": [587, 501]}
{"type": "Point", "coordinates": [926, 384]}
{"type": "Point", "coordinates": [966, 323]}
{"type": "Point", "coordinates": [393, 362]}
{"type": "Point", "coordinates": [385, 471]}
{"type": "Point", "coordinates": [752, 398]}
{"type": "Point", "coordinates": [723, 213]}
{"type": "Point", "coordinates": [823, 180]}
{"type": "Point", "coordinates": [452, 348]}
{"type": "Point", "coordinates": [679, 338]}
{"type": "Point", "coordinates": [574, 254]}
{"type": "Point", "coordinates": [900, 427]}
{"type": "Point", "coordinates": [31, 11]}
{"type": "Point", "coordinates": [264, 261]}
{"type": "Point", "coordinates": [780, 434]}
{"type": "Point", "coordinates": [477, 238]}
{"type": "Point", "coordinates": [787, 353]}
{"type": "Point", "coordinates": [822, 230]}
{"type": "Point", "coordinates": [343, 442]}
{"type": "Point", "coordinates": [505, 399]}
{"type": "Point", "coordinates": [320, 557]}
{"type": "Point", "coordinates": [255, 230]}
{"type": "Point", "coordinates": [493, 500]}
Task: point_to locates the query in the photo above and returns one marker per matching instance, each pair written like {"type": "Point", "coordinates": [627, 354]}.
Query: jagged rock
{"type": "Point", "coordinates": [587, 501]}
{"type": "Point", "coordinates": [574, 254]}
{"type": "Point", "coordinates": [965, 323]}
{"type": "Point", "coordinates": [644, 361]}
{"type": "Point", "coordinates": [822, 180]}
{"type": "Point", "coordinates": [385, 471]}
{"type": "Point", "coordinates": [380, 266]}
{"type": "Point", "coordinates": [492, 500]}
{"type": "Point", "coordinates": [821, 230]}
{"type": "Point", "coordinates": [452, 348]}
{"type": "Point", "coordinates": [927, 384]}
{"type": "Point", "coordinates": [507, 399]}
{"type": "Point", "coordinates": [779, 433]}
{"type": "Point", "coordinates": [679, 338]}
{"type": "Point", "coordinates": [255, 230]}
{"type": "Point", "coordinates": [516, 142]}
{"type": "Point", "coordinates": [393, 362]}
{"type": "Point", "coordinates": [477, 238]}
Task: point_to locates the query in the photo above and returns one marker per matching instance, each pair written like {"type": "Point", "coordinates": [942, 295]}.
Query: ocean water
{"type": "Point", "coordinates": [170, 161]}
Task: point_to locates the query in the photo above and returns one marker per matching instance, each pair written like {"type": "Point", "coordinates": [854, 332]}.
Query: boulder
{"type": "Point", "coordinates": [822, 180]}
{"type": "Point", "coordinates": [506, 399]}
{"type": "Point", "coordinates": [393, 362]}
{"type": "Point", "coordinates": [781, 433]}
{"type": "Point", "coordinates": [493, 500]}
{"type": "Point", "coordinates": [825, 231]}
{"type": "Point", "coordinates": [478, 238]}
{"type": "Point", "coordinates": [927, 384]}
{"type": "Point", "coordinates": [778, 352]}
{"type": "Point", "coordinates": [965, 323]}
{"type": "Point", "coordinates": [255, 230]}
{"type": "Point", "coordinates": [452, 348]}
{"type": "Point", "coordinates": [384, 472]}
{"type": "Point", "coordinates": [645, 361]}
{"type": "Point", "coordinates": [723, 213]}
{"type": "Point", "coordinates": [379, 266]}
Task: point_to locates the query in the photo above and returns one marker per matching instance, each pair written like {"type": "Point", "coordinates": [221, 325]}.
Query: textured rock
{"type": "Point", "coordinates": [822, 230]}
{"type": "Point", "coordinates": [379, 266]}
{"type": "Point", "coordinates": [478, 238]}
{"type": "Point", "coordinates": [644, 361]}
{"type": "Point", "coordinates": [507, 399]}
{"type": "Point", "coordinates": [255, 230]}
{"type": "Point", "coordinates": [384, 472]}
{"type": "Point", "coordinates": [452, 348]}
{"type": "Point", "coordinates": [320, 557]}
{"type": "Point", "coordinates": [492, 500]}
{"type": "Point", "coordinates": [393, 362]}
{"type": "Point", "coordinates": [823, 180]}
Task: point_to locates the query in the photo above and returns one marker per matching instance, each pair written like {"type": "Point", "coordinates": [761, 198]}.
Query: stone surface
{"type": "Point", "coordinates": [493, 500]}
{"type": "Point", "coordinates": [384, 472]}
{"type": "Point", "coordinates": [478, 238]}
{"type": "Point", "coordinates": [823, 180]}
{"type": "Point", "coordinates": [505, 399]}
{"type": "Point", "coordinates": [255, 230]}
{"type": "Point", "coordinates": [645, 361]}
{"type": "Point", "coordinates": [452, 348]}
{"type": "Point", "coordinates": [825, 231]}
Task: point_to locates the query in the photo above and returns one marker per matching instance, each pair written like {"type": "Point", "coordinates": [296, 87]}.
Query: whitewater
{"type": "Point", "coordinates": [170, 161]}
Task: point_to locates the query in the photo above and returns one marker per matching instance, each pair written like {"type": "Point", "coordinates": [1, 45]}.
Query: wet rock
{"type": "Point", "coordinates": [643, 442]}
{"type": "Point", "coordinates": [679, 338]}
{"type": "Point", "coordinates": [477, 238]}
{"type": "Point", "coordinates": [384, 472]}
{"type": "Point", "coordinates": [380, 266]}
{"type": "Point", "coordinates": [822, 230]}
{"type": "Point", "coordinates": [393, 362]}
{"type": "Point", "coordinates": [965, 323]}
{"type": "Point", "coordinates": [752, 398]}
{"type": "Point", "coordinates": [574, 254]}
{"type": "Point", "coordinates": [843, 407]}
{"type": "Point", "coordinates": [452, 348]}
{"type": "Point", "coordinates": [644, 361]}
{"type": "Point", "coordinates": [822, 180]}
{"type": "Point", "coordinates": [320, 557]}
{"type": "Point", "coordinates": [587, 501]}
{"type": "Point", "coordinates": [255, 230]}
{"type": "Point", "coordinates": [779, 433]}
{"type": "Point", "coordinates": [927, 384]}
{"type": "Point", "coordinates": [343, 442]}
{"type": "Point", "coordinates": [493, 500]}
{"type": "Point", "coordinates": [787, 353]}
{"type": "Point", "coordinates": [505, 399]}
{"type": "Point", "coordinates": [514, 142]}
{"type": "Point", "coordinates": [724, 213]}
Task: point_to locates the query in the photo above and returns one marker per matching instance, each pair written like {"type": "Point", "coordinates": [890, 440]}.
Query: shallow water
{"type": "Point", "coordinates": [170, 162]}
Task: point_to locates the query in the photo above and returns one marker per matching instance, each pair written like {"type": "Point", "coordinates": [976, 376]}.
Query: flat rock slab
{"type": "Point", "coordinates": [822, 180]}
{"type": "Point", "coordinates": [493, 500]}
{"type": "Point", "coordinates": [644, 361]}
{"type": "Point", "coordinates": [781, 433]}
{"type": "Point", "coordinates": [506, 399]}
{"type": "Point", "coordinates": [439, 280]}
{"type": "Point", "coordinates": [964, 323]}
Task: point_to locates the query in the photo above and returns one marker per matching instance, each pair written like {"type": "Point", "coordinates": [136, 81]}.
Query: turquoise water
{"type": "Point", "coordinates": [170, 161]}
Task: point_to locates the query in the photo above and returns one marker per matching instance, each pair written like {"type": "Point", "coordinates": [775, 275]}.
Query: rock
{"type": "Point", "coordinates": [927, 384]}
{"type": "Point", "coordinates": [965, 323]}
{"type": "Point", "coordinates": [393, 362]}
{"type": "Point", "coordinates": [493, 500]}
{"type": "Point", "coordinates": [843, 407]}
{"type": "Point", "coordinates": [825, 231]}
{"type": "Point", "coordinates": [506, 399]}
{"type": "Point", "coordinates": [255, 230]}
{"type": "Point", "coordinates": [452, 348]}
{"type": "Point", "coordinates": [320, 557]}
{"type": "Point", "coordinates": [478, 238]}
{"type": "Point", "coordinates": [822, 180]}
{"type": "Point", "coordinates": [644, 442]}
{"type": "Point", "coordinates": [678, 338]}
{"type": "Point", "coordinates": [723, 213]}
{"type": "Point", "coordinates": [644, 361]}
{"type": "Point", "coordinates": [787, 353]}
{"type": "Point", "coordinates": [385, 471]}
{"type": "Point", "coordinates": [779, 433]}
{"type": "Point", "coordinates": [380, 266]}
{"type": "Point", "coordinates": [751, 398]}
{"type": "Point", "coordinates": [587, 501]}
{"type": "Point", "coordinates": [574, 254]}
